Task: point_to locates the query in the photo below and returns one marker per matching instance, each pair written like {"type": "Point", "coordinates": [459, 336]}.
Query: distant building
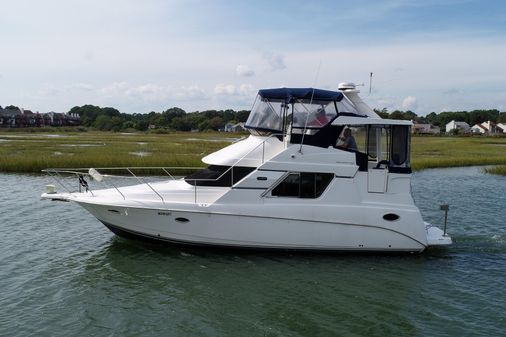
{"type": "Point", "coordinates": [455, 125]}
{"type": "Point", "coordinates": [420, 128]}
{"type": "Point", "coordinates": [20, 118]}
{"type": "Point", "coordinates": [488, 128]}
{"type": "Point", "coordinates": [10, 118]}
{"type": "Point", "coordinates": [479, 128]}
{"type": "Point", "coordinates": [229, 127]}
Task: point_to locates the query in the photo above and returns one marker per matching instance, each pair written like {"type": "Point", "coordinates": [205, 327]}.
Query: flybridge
{"type": "Point", "coordinates": [285, 110]}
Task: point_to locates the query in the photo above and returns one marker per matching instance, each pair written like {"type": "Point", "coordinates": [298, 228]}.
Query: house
{"type": "Point", "coordinates": [229, 127]}
{"type": "Point", "coordinates": [479, 128]}
{"type": "Point", "coordinates": [19, 118]}
{"type": "Point", "coordinates": [29, 118]}
{"type": "Point", "coordinates": [10, 117]}
{"type": "Point", "coordinates": [488, 128]}
{"type": "Point", "coordinates": [420, 128]}
{"type": "Point", "coordinates": [460, 126]}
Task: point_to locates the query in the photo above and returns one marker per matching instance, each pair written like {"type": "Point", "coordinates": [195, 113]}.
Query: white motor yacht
{"type": "Point", "coordinates": [320, 170]}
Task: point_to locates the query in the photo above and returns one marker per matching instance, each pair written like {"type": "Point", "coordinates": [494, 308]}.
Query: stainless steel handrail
{"type": "Point", "coordinates": [84, 171]}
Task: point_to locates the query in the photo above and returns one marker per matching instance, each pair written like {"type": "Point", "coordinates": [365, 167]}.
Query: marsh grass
{"type": "Point", "coordinates": [32, 152]}
{"type": "Point", "coordinates": [499, 170]}
{"type": "Point", "coordinates": [28, 152]}
{"type": "Point", "coordinates": [432, 152]}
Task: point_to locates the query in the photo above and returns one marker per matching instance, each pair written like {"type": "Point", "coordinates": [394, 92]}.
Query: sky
{"type": "Point", "coordinates": [151, 55]}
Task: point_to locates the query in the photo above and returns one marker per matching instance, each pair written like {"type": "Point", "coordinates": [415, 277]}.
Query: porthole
{"type": "Point", "coordinates": [183, 220]}
{"type": "Point", "coordinates": [391, 217]}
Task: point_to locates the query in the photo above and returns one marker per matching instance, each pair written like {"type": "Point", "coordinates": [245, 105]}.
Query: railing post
{"type": "Point", "coordinates": [263, 151]}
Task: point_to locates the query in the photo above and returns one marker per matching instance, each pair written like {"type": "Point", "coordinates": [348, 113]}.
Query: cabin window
{"type": "Point", "coordinates": [400, 136]}
{"type": "Point", "coordinates": [353, 138]}
{"type": "Point", "coordinates": [303, 185]}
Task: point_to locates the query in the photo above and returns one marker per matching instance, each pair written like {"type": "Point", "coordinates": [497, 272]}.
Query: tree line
{"type": "Point", "coordinates": [110, 119]}
{"type": "Point", "coordinates": [175, 118]}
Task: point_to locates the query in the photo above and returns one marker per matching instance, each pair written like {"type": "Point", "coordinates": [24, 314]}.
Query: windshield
{"type": "Point", "coordinates": [273, 116]}
{"type": "Point", "coordinates": [314, 114]}
{"type": "Point", "coordinates": [277, 111]}
{"type": "Point", "coordinates": [266, 115]}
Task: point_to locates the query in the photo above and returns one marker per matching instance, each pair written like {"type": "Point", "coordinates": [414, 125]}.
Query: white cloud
{"type": "Point", "coordinates": [275, 61]}
{"type": "Point", "coordinates": [114, 89]}
{"type": "Point", "coordinates": [152, 92]}
{"type": "Point", "coordinates": [409, 103]}
{"type": "Point", "coordinates": [244, 71]}
{"type": "Point", "coordinates": [193, 92]}
{"type": "Point", "coordinates": [80, 86]}
{"type": "Point", "coordinates": [225, 89]}
{"type": "Point", "coordinates": [233, 90]}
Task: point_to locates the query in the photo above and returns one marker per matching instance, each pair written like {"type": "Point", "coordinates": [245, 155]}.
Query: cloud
{"type": "Point", "coordinates": [151, 92]}
{"type": "Point", "coordinates": [233, 90]}
{"type": "Point", "coordinates": [409, 103]}
{"type": "Point", "coordinates": [275, 61]}
{"type": "Point", "coordinates": [452, 91]}
{"type": "Point", "coordinates": [193, 92]}
{"type": "Point", "coordinates": [80, 86]}
{"type": "Point", "coordinates": [114, 89]}
{"type": "Point", "coordinates": [244, 71]}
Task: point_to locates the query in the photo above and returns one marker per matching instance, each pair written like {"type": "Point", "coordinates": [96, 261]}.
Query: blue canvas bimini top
{"type": "Point", "coordinates": [289, 95]}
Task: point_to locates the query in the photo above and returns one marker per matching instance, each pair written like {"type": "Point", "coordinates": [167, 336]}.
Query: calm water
{"type": "Point", "coordinates": [63, 274]}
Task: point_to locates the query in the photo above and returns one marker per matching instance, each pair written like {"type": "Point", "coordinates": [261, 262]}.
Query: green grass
{"type": "Point", "coordinates": [31, 152]}
{"type": "Point", "coordinates": [432, 152]}
{"type": "Point", "coordinates": [500, 170]}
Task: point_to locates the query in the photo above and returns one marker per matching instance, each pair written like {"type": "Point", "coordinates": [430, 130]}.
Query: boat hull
{"type": "Point", "coordinates": [250, 231]}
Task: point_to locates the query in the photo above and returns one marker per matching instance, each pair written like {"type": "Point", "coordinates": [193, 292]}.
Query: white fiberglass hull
{"type": "Point", "coordinates": [201, 227]}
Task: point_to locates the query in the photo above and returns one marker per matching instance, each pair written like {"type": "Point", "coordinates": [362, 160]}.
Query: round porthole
{"type": "Point", "coordinates": [391, 217]}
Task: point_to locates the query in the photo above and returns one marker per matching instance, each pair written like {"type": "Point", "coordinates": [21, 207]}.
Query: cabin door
{"type": "Point", "coordinates": [377, 147]}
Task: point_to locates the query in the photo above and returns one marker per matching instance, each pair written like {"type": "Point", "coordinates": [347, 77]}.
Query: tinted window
{"type": "Point", "coordinates": [303, 185]}
{"type": "Point", "coordinates": [400, 136]}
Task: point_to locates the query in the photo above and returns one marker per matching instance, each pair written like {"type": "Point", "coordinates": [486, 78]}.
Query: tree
{"type": "Point", "coordinates": [242, 116]}
{"type": "Point", "coordinates": [88, 113]}
{"type": "Point", "coordinates": [216, 123]}
{"type": "Point", "coordinates": [116, 123]}
{"type": "Point", "coordinates": [180, 124]}
{"type": "Point", "coordinates": [103, 123]}
{"type": "Point", "coordinates": [480, 116]}
{"type": "Point", "coordinates": [141, 125]}
{"type": "Point", "coordinates": [383, 113]}
{"type": "Point", "coordinates": [111, 112]}
{"type": "Point", "coordinates": [172, 113]}
{"type": "Point", "coordinates": [12, 107]}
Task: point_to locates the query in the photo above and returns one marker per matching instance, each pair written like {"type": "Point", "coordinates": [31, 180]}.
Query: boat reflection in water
{"type": "Point", "coordinates": [320, 171]}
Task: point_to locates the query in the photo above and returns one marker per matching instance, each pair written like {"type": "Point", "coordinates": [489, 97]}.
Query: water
{"type": "Point", "coordinates": [64, 274]}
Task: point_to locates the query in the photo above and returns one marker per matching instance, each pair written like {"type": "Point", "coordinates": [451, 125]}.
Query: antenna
{"type": "Point", "coordinates": [370, 83]}
{"type": "Point", "coordinates": [310, 102]}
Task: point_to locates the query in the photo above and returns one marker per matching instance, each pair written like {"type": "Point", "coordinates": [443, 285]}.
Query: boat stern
{"type": "Point", "coordinates": [436, 236]}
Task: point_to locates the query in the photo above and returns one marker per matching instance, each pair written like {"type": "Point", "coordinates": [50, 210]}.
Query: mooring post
{"type": "Point", "coordinates": [445, 208]}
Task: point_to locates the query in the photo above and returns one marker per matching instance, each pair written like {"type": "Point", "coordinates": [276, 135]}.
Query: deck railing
{"type": "Point", "coordinates": [97, 175]}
